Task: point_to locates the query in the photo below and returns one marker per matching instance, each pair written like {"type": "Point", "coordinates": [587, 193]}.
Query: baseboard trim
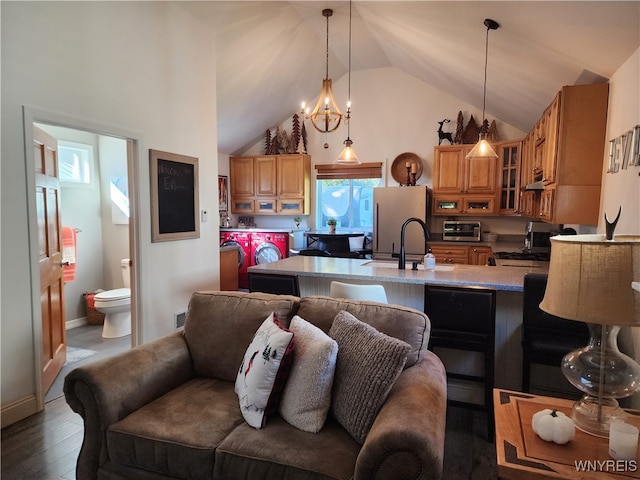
{"type": "Point", "coordinates": [77, 322]}
{"type": "Point", "coordinates": [18, 410]}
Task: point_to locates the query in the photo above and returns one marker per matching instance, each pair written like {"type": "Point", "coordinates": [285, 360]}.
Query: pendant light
{"type": "Point", "coordinates": [326, 115]}
{"type": "Point", "coordinates": [348, 155]}
{"type": "Point", "coordinates": [483, 148]}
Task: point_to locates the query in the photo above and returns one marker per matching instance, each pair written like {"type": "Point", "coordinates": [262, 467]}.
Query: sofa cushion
{"type": "Point", "coordinates": [220, 325]}
{"type": "Point", "coordinates": [407, 324]}
{"type": "Point", "coordinates": [281, 451]}
{"type": "Point", "coordinates": [264, 371]}
{"type": "Point", "coordinates": [306, 397]}
{"type": "Point", "coordinates": [177, 434]}
{"type": "Point", "coordinates": [368, 364]}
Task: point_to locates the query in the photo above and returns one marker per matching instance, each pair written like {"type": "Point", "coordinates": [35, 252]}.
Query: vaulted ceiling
{"type": "Point", "coordinates": [271, 54]}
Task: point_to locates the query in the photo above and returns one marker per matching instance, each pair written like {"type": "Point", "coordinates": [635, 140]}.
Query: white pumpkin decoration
{"type": "Point", "coordinates": [553, 426]}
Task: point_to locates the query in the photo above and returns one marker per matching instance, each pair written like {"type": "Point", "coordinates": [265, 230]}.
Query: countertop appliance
{"type": "Point", "coordinates": [537, 234]}
{"type": "Point", "coordinates": [392, 207]}
{"type": "Point", "coordinates": [453, 231]}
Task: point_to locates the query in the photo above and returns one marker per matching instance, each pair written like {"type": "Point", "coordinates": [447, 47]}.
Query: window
{"type": "Point", "coordinates": [75, 162]}
{"type": "Point", "coordinates": [346, 194]}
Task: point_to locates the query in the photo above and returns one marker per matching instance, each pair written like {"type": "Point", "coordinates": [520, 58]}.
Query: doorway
{"type": "Point", "coordinates": [128, 144]}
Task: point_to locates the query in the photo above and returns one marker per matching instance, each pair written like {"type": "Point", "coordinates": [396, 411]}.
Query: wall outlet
{"type": "Point", "coordinates": [180, 318]}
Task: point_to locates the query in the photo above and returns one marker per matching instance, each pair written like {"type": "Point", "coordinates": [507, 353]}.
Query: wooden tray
{"type": "Point", "coordinates": [399, 170]}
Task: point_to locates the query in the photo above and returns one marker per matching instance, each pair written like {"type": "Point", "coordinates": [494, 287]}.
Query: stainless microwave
{"type": "Point", "coordinates": [454, 231]}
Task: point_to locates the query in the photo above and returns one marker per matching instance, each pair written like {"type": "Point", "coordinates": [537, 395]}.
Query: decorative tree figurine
{"type": "Point", "coordinates": [300, 148]}
{"type": "Point", "coordinates": [304, 138]}
{"type": "Point", "coordinates": [471, 132]}
{"type": "Point", "coordinates": [295, 133]}
{"type": "Point", "coordinates": [459, 128]}
{"type": "Point", "coordinates": [267, 142]}
{"type": "Point", "coordinates": [275, 143]}
{"type": "Point", "coordinates": [283, 141]}
{"type": "Point", "coordinates": [493, 136]}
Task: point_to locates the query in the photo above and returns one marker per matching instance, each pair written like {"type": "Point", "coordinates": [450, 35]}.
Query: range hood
{"type": "Point", "coordinates": [535, 186]}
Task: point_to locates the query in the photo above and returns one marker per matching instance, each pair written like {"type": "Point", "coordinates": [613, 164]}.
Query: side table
{"type": "Point", "coordinates": [522, 455]}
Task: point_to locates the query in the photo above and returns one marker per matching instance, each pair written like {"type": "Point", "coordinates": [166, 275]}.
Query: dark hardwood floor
{"type": "Point", "coordinates": [46, 445]}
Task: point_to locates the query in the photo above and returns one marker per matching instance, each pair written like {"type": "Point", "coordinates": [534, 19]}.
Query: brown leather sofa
{"type": "Point", "coordinates": [168, 409]}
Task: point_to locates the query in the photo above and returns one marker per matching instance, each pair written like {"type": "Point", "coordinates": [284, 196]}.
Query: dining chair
{"type": "Point", "coordinates": [352, 291]}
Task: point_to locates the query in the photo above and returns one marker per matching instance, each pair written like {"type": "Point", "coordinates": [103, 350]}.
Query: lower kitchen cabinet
{"type": "Point", "coordinates": [450, 254]}
{"type": "Point", "coordinates": [461, 254]}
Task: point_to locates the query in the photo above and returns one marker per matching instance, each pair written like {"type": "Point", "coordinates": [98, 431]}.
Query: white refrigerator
{"type": "Point", "coordinates": [392, 207]}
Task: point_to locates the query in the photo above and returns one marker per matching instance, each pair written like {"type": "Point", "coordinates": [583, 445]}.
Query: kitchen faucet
{"type": "Point", "coordinates": [401, 260]}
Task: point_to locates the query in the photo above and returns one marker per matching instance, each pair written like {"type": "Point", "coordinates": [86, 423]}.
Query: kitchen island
{"type": "Point", "coordinates": [406, 287]}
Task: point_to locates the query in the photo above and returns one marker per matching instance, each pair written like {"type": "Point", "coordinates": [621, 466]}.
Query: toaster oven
{"type": "Point", "coordinates": [455, 231]}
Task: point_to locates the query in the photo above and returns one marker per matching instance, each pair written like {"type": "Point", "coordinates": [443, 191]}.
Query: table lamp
{"type": "Point", "coordinates": [590, 280]}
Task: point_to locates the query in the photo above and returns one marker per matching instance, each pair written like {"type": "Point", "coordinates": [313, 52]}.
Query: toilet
{"type": "Point", "coordinates": [116, 305]}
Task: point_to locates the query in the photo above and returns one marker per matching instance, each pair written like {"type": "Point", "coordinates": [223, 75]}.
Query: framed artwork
{"type": "Point", "coordinates": [174, 196]}
{"type": "Point", "coordinates": [223, 193]}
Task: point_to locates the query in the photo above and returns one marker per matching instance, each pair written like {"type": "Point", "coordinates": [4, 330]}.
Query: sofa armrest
{"type": "Point", "coordinates": [106, 391]}
{"type": "Point", "coordinates": [406, 440]}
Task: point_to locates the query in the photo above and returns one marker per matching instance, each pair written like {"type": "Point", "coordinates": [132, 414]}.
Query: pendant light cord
{"type": "Point", "coordinates": [349, 82]}
{"type": "Point", "coordinates": [326, 73]}
{"type": "Point", "coordinates": [484, 92]}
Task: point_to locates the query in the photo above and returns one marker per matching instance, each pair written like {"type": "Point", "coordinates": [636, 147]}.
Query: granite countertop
{"type": "Point", "coordinates": [500, 278]}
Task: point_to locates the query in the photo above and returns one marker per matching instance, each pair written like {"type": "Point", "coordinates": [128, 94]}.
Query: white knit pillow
{"type": "Point", "coordinates": [306, 399]}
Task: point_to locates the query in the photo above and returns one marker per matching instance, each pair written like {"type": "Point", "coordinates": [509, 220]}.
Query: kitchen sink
{"type": "Point", "coordinates": [385, 264]}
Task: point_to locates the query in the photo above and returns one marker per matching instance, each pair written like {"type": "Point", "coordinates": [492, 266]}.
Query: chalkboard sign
{"type": "Point", "coordinates": [174, 196]}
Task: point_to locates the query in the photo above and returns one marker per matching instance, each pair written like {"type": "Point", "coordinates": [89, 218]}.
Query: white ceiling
{"type": "Point", "coordinates": [271, 54]}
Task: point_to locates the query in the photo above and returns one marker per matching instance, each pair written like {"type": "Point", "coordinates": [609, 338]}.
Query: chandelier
{"type": "Point", "coordinates": [326, 115]}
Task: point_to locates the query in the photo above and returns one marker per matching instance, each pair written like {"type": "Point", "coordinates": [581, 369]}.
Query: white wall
{"type": "Point", "coordinates": [623, 188]}
{"type": "Point", "coordinates": [143, 67]}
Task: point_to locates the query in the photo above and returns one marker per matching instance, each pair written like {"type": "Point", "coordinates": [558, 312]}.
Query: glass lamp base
{"type": "Point", "coordinates": [594, 419]}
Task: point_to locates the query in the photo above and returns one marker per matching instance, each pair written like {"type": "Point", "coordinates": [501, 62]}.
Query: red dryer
{"type": "Point", "coordinates": [242, 241]}
{"type": "Point", "coordinates": [268, 247]}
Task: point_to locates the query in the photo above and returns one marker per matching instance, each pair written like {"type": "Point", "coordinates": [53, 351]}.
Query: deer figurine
{"type": "Point", "coordinates": [444, 135]}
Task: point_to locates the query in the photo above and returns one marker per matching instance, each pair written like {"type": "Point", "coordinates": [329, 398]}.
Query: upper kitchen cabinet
{"type": "Point", "coordinates": [572, 154]}
{"type": "Point", "coordinates": [270, 184]}
{"type": "Point", "coordinates": [509, 174]}
{"type": "Point", "coordinates": [461, 185]}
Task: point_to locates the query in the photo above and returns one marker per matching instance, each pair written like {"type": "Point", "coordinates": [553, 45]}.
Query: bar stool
{"type": "Point", "coordinates": [279, 284]}
{"type": "Point", "coordinates": [546, 339]}
{"type": "Point", "coordinates": [464, 318]}
{"type": "Point", "coordinates": [374, 293]}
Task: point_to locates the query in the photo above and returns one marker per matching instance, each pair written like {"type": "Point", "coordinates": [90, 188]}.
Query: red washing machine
{"type": "Point", "coordinates": [242, 241]}
{"type": "Point", "coordinates": [268, 247]}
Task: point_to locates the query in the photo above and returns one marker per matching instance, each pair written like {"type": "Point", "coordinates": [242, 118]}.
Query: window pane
{"type": "Point", "coordinates": [350, 202]}
{"type": "Point", "coordinates": [74, 163]}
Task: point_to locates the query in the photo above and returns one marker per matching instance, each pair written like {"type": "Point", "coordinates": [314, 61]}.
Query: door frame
{"type": "Point", "coordinates": [134, 144]}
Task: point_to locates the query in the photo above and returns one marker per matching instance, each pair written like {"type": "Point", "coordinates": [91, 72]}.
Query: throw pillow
{"type": "Point", "coordinates": [306, 398]}
{"type": "Point", "coordinates": [367, 366]}
{"type": "Point", "coordinates": [263, 372]}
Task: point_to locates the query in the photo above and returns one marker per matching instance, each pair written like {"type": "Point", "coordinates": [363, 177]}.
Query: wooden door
{"type": "Point", "coordinates": [448, 170]}
{"type": "Point", "coordinates": [264, 171]}
{"type": "Point", "coordinates": [480, 175]}
{"type": "Point", "coordinates": [241, 176]}
{"type": "Point", "coordinates": [54, 348]}
{"type": "Point", "coordinates": [291, 176]}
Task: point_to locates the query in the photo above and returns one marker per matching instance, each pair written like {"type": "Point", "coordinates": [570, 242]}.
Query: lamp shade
{"type": "Point", "coordinates": [590, 279]}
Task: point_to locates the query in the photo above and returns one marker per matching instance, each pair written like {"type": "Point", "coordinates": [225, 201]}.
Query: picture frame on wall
{"type": "Point", "coordinates": [174, 196]}
{"type": "Point", "coordinates": [223, 193]}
